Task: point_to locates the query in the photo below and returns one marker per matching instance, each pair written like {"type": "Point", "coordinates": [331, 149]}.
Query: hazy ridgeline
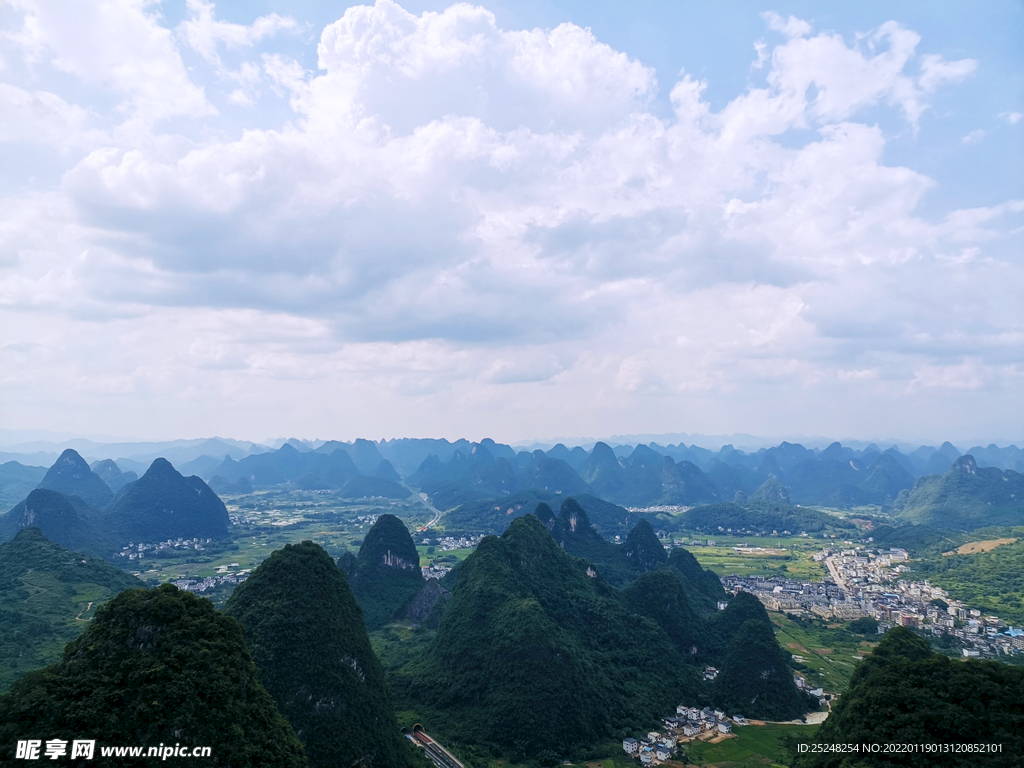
{"type": "Point", "coordinates": [571, 628]}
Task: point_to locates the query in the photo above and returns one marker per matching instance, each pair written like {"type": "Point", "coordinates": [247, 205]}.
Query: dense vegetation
{"type": "Point", "coordinates": [917, 539]}
{"type": "Point", "coordinates": [538, 656]}
{"type": "Point", "coordinates": [71, 475]}
{"type": "Point", "coordinates": [967, 497]}
{"type": "Point", "coordinates": [760, 516]}
{"type": "Point", "coordinates": [572, 530]}
{"type": "Point", "coordinates": [905, 694]}
{"type": "Point", "coordinates": [494, 515]}
{"type": "Point", "coordinates": [756, 679]}
{"type": "Point", "coordinates": [64, 520]}
{"type": "Point", "coordinates": [307, 637]}
{"type": "Point", "coordinates": [164, 505]}
{"type": "Point", "coordinates": [993, 581]}
{"type": "Point", "coordinates": [155, 666]}
{"type": "Point", "coordinates": [48, 595]}
{"type": "Point", "coordinates": [704, 587]}
{"type": "Point", "coordinates": [386, 574]}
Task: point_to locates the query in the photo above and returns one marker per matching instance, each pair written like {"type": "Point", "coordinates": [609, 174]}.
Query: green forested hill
{"type": "Point", "coordinates": [65, 520]}
{"type": "Point", "coordinates": [48, 596]}
{"type": "Point", "coordinates": [537, 657]}
{"type": "Point", "coordinates": [661, 596]}
{"type": "Point", "coordinates": [967, 497]}
{"type": "Point", "coordinates": [756, 679]}
{"type": "Point", "coordinates": [642, 548]}
{"type": "Point", "coordinates": [572, 530]}
{"type": "Point", "coordinates": [905, 694]}
{"type": "Point", "coordinates": [71, 474]}
{"type": "Point", "coordinates": [156, 666]}
{"type": "Point", "coordinates": [992, 581]}
{"type": "Point", "coordinates": [704, 586]}
{"type": "Point", "coordinates": [758, 516]}
{"type": "Point", "coordinates": [386, 574]}
{"type": "Point", "coordinates": [307, 637]}
{"type": "Point", "coordinates": [162, 504]}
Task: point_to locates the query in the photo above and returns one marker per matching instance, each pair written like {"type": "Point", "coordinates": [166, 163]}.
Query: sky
{"type": "Point", "coordinates": [515, 220]}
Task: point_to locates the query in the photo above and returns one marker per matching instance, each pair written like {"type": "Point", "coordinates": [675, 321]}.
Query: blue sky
{"type": "Point", "coordinates": [515, 220]}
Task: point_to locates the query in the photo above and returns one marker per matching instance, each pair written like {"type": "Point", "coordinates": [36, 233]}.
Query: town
{"type": "Point", "coordinates": [688, 724]}
{"type": "Point", "coordinates": [446, 544]}
{"type": "Point", "coordinates": [137, 551]}
{"type": "Point", "coordinates": [873, 583]}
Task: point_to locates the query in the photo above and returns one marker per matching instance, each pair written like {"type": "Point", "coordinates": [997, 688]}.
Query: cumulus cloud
{"type": "Point", "coordinates": [203, 32]}
{"type": "Point", "coordinates": [452, 209]}
{"type": "Point", "coordinates": [41, 117]}
{"type": "Point", "coordinates": [119, 44]}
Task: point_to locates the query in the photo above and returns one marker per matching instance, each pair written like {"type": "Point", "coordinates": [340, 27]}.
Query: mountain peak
{"type": "Point", "coordinates": [71, 475]}
{"type": "Point", "coordinates": [161, 468]}
{"type": "Point", "coordinates": [643, 548]}
{"type": "Point", "coordinates": [314, 657]}
{"type": "Point", "coordinates": [575, 516]}
{"type": "Point", "coordinates": [386, 572]}
{"type": "Point", "coordinates": [965, 463]}
{"type": "Point", "coordinates": [164, 505]}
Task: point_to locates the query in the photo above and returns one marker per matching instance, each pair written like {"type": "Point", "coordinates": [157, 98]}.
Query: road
{"type": "Point", "coordinates": [440, 756]}
{"type": "Point", "coordinates": [437, 513]}
{"type": "Point", "coordinates": [835, 574]}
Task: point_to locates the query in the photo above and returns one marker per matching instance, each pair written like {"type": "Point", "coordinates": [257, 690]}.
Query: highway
{"type": "Point", "coordinates": [437, 513]}
{"type": "Point", "coordinates": [440, 756]}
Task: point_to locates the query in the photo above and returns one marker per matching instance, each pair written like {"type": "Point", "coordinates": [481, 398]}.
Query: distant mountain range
{"type": "Point", "coordinates": [75, 508]}
{"type": "Point", "coordinates": [477, 480]}
{"type": "Point", "coordinates": [966, 497]}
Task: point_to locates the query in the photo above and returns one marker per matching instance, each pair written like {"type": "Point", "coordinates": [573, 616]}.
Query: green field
{"type": "Point", "coordinates": [754, 745]}
{"type": "Point", "coordinates": [446, 559]}
{"type": "Point", "coordinates": [829, 654]}
{"type": "Point", "coordinates": [792, 562]}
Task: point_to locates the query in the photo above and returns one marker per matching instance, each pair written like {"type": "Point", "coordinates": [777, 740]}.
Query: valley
{"type": "Point", "coordinates": [708, 581]}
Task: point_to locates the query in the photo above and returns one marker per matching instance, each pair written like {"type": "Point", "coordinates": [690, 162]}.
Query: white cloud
{"type": "Point", "coordinates": [116, 44]}
{"type": "Point", "coordinates": [41, 117]}
{"type": "Point", "coordinates": [791, 27]}
{"type": "Point", "coordinates": [457, 213]}
{"type": "Point", "coordinates": [935, 72]}
{"type": "Point", "coordinates": [974, 136]}
{"type": "Point", "coordinates": [406, 70]}
{"type": "Point", "coordinates": [203, 32]}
